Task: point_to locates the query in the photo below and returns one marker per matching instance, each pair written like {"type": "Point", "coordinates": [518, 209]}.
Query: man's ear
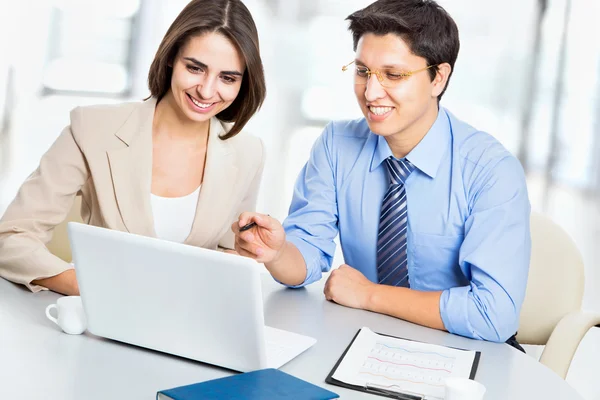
{"type": "Point", "coordinates": [441, 79]}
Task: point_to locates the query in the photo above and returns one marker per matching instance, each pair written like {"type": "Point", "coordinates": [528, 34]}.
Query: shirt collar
{"type": "Point", "coordinates": [427, 154]}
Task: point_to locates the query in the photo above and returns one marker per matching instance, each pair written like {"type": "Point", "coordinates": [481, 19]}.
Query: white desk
{"type": "Point", "coordinates": [38, 361]}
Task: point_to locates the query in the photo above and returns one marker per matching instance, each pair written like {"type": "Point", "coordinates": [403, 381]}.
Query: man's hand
{"type": "Point", "coordinates": [348, 287]}
{"type": "Point", "coordinates": [264, 242]}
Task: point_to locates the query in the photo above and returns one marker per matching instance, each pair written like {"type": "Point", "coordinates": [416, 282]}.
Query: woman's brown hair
{"type": "Point", "coordinates": [232, 19]}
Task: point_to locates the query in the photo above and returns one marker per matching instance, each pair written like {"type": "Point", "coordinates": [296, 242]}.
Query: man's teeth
{"type": "Point", "coordinates": [201, 105]}
{"type": "Point", "coordinates": [380, 110]}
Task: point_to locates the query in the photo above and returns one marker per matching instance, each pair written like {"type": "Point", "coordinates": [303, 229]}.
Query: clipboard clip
{"type": "Point", "coordinates": [370, 387]}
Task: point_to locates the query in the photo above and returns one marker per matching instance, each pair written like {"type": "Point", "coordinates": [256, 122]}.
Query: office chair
{"type": "Point", "coordinates": [551, 314]}
{"type": "Point", "coordinates": [59, 244]}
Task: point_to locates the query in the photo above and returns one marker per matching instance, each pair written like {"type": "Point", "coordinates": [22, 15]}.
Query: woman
{"type": "Point", "coordinates": [167, 167]}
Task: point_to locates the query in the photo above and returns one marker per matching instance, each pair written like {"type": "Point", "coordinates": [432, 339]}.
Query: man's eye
{"type": "Point", "coordinates": [362, 72]}
{"type": "Point", "coordinates": [394, 76]}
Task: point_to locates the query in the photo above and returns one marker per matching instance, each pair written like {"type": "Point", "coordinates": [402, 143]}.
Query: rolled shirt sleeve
{"type": "Point", "coordinates": [312, 223]}
{"type": "Point", "coordinates": [494, 256]}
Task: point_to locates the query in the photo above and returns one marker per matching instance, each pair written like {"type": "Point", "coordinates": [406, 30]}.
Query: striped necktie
{"type": "Point", "coordinates": [392, 262]}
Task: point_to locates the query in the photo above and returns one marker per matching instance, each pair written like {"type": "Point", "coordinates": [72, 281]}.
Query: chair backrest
{"type": "Point", "coordinates": [59, 244]}
{"type": "Point", "coordinates": [556, 281]}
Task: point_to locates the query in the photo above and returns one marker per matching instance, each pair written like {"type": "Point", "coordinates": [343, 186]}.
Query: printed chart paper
{"type": "Point", "coordinates": [401, 365]}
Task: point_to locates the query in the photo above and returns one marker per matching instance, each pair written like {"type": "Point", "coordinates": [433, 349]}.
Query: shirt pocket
{"type": "Point", "coordinates": [435, 262]}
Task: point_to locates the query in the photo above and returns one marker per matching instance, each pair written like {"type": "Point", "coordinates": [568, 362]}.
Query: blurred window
{"type": "Point", "coordinates": [90, 47]}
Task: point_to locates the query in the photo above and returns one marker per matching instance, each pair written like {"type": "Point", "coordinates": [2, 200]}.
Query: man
{"type": "Point", "coordinates": [433, 215]}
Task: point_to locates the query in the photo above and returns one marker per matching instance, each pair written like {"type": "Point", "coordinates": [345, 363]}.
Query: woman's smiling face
{"type": "Point", "coordinates": [207, 76]}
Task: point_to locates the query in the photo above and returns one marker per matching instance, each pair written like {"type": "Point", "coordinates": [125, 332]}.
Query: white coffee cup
{"type": "Point", "coordinates": [71, 317]}
{"type": "Point", "coordinates": [463, 389]}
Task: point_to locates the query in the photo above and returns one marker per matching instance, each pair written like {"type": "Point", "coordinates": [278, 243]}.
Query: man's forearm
{"type": "Point", "coordinates": [289, 267]}
{"type": "Point", "coordinates": [421, 308]}
{"type": "Point", "coordinates": [65, 283]}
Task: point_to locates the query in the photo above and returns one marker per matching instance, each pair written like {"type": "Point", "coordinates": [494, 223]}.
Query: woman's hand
{"type": "Point", "coordinates": [64, 283]}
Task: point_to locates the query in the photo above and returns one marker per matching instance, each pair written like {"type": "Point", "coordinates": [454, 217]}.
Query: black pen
{"type": "Point", "coordinates": [392, 393]}
{"type": "Point", "coordinates": [248, 226]}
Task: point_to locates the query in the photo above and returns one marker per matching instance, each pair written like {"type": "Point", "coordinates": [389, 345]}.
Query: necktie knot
{"type": "Point", "coordinates": [398, 170]}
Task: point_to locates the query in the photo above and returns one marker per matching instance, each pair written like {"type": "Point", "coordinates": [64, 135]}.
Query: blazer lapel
{"type": "Point", "coordinates": [217, 192]}
{"type": "Point", "coordinates": [131, 170]}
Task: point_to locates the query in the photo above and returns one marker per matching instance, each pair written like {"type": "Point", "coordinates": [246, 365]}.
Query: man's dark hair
{"type": "Point", "coordinates": [428, 30]}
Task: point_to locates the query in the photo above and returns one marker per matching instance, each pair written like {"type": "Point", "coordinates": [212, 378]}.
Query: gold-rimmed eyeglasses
{"type": "Point", "coordinates": [388, 77]}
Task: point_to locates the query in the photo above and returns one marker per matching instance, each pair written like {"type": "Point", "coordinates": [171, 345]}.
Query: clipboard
{"type": "Point", "coordinates": [386, 392]}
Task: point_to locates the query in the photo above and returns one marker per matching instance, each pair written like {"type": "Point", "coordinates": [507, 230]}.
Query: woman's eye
{"type": "Point", "coordinates": [229, 79]}
{"type": "Point", "coordinates": [193, 69]}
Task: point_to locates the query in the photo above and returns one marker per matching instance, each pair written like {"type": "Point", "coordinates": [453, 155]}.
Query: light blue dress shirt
{"type": "Point", "coordinates": [468, 218]}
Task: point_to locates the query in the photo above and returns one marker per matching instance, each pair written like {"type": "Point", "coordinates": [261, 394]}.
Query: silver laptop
{"type": "Point", "coordinates": [195, 303]}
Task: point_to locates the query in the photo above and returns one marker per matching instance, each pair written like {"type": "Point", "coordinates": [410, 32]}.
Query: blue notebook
{"type": "Point", "coordinates": [269, 384]}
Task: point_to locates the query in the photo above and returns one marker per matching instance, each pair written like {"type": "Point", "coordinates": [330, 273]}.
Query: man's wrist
{"type": "Point", "coordinates": [279, 254]}
{"type": "Point", "coordinates": [371, 297]}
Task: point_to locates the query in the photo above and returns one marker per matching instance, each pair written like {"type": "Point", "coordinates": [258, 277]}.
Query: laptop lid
{"type": "Point", "coordinates": [188, 301]}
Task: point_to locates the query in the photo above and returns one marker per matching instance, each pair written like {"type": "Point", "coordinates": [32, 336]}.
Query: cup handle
{"type": "Point", "coordinates": [50, 317]}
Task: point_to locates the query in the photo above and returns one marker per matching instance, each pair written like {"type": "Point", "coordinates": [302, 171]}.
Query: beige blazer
{"type": "Point", "coordinates": [105, 155]}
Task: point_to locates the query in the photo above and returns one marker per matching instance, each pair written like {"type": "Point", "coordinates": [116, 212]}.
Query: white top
{"type": "Point", "coordinates": [174, 216]}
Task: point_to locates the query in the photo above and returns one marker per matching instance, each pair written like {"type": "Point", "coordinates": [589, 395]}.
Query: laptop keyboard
{"type": "Point", "coordinates": [282, 346]}
{"type": "Point", "coordinates": [275, 350]}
